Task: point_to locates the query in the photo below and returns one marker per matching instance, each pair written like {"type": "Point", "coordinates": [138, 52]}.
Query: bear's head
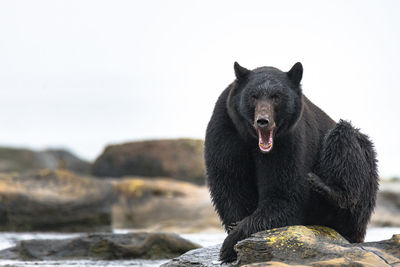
{"type": "Point", "coordinates": [265, 103]}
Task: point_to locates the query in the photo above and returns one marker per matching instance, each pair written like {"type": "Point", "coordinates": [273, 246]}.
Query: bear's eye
{"type": "Point", "coordinates": [253, 99]}
{"type": "Point", "coordinates": [276, 98]}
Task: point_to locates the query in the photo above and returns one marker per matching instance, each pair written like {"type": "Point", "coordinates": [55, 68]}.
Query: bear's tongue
{"type": "Point", "coordinates": [265, 140]}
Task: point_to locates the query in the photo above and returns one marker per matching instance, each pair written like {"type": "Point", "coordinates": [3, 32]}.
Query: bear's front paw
{"type": "Point", "coordinates": [314, 179]}
{"type": "Point", "coordinates": [227, 253]}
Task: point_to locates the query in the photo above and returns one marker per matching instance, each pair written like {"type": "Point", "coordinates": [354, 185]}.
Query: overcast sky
{"type": "Point", "coordinates": [84, 74]}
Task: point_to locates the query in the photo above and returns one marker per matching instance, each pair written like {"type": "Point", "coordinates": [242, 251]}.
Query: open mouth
{"type": "Point", "coordinates": [266, 139]}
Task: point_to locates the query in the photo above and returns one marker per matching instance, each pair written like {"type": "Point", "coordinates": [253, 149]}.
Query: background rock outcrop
{"type": "Point", "coordinates": [54, 201]}
{"type": "Point", "coordinates": [23, 160]}
{"type": "Point", "coordinates": [181, 159]}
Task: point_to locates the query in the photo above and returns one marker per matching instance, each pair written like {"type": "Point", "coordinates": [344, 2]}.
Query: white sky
{"type": "Point", "coordinates": [83, 74]}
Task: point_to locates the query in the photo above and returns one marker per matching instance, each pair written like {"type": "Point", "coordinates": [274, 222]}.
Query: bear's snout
{"type": "Point", "coordinates": [264, 115]}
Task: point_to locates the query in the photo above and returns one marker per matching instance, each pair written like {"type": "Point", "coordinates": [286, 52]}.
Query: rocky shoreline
{"type": "Point", "coordinates": [63, 200]}
{"type": "Point", "coordinates": [287, 246]}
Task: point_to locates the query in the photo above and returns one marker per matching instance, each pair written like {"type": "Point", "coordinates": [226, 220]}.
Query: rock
{"type": "Point", "coordinates": [163, 205]}
{"type": "Point", "coordinates": [101, 246]}
{"type": "Point", "coordinates": [181, 159]}
{"type": "Point", "coordinates": [62, 159]}
{"type": "Point", "coordinates": [23, 160]}
{"type": "Point", "coordinates": [206, 257]}
{"type": "Point", "coordinates": [54, 201]}
{"type": "Point", "coordinates": [300, 246]}
{"type": "Point", "coordinates": [387, 210]}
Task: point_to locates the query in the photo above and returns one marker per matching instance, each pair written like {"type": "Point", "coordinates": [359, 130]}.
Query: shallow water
{"type": "Point", "coordinates": [9, 239]}
{"type": "Point", "coordinates": [84, 263]}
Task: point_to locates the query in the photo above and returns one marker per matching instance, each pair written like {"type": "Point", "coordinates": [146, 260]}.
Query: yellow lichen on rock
{"type": "Point", "coordinates": [271, 239]}
{"type": "Point", "coordinates": [325, 231]}
{"type": "Point", "coordinates": [297, 236]}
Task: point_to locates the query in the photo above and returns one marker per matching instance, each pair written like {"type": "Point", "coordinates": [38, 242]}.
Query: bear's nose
{"type": "Point", "coordinates": [262, 122]}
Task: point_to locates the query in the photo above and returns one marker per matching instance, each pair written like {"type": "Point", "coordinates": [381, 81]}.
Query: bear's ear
{"type": "Point", "coordinates": [240, 71]}
{"type": "Point", "coordinates": [296, 73]}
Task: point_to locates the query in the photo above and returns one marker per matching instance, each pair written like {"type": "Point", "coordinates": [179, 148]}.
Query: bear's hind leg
{"type": "Point", "coordinates": [346, 176]}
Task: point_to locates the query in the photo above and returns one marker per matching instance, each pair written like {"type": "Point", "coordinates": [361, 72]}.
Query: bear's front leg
{"type": "Point", "coordinates": [254, 223]}
{"type": "Point", "coordinates": [277, 209]}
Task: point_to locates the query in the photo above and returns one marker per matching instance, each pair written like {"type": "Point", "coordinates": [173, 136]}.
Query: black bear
{"type": "Point", "coordinates": [275, 159]}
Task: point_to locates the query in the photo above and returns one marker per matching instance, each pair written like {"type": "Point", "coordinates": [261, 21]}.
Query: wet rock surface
{"type": "Point", "coordinates": [301, 246]}
{"type": "Point", "coordinates": [181, 159]}
{"type": "Point", "coordinates": [101, 246]}
{"type": "Point", "coordinates": [54, 201]}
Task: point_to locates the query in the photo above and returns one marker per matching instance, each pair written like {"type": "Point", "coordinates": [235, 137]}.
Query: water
{"type": "Point", "coordinates": [381, 233]}
{"type": "Point", "coordinates": [8, 239]}
{"type": "Point", "coordinates": [83, 263]}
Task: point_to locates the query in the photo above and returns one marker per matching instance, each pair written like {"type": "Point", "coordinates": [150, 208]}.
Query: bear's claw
{"type": "Point", "coordinates": [232, 226]}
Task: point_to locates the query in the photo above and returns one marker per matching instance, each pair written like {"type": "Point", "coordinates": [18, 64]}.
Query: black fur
{"type": "Point", "coordinates": [304, 179]}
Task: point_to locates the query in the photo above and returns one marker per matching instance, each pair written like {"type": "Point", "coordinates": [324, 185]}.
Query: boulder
{"type": "Point", "coordinates": [101, 246]}
{"type": "Point", "coordinates": [163, 205]}
{"type": "Point", "coordinates": [54, 201]}
{"type": "Point", "coordinates": [387, 210]}
{"type": "Point", "coordinates": [300, 246]}
{"type": "Point", "coordinates": [181, 159]}
{"type": "Point", "coordinates": [23, 160]}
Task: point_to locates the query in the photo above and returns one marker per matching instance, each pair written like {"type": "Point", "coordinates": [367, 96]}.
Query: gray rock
{"type": "Point", "coordinates": [101, 246]}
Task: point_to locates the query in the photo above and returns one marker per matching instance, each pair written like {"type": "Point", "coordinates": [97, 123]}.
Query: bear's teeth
{"type": "Point", "coordinates": [265, 145]}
